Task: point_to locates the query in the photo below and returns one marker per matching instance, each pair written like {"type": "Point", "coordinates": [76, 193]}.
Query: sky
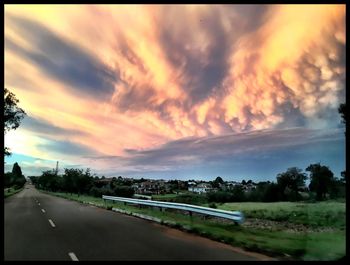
{"type": "Point", "coordinates": [176, 91]}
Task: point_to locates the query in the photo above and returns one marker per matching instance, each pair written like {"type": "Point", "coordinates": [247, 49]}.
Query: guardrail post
{"type": "Point", "coordinates": [191, 219]}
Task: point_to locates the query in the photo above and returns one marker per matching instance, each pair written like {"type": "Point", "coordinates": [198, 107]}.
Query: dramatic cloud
{"type": "Point", "coordinates": [233, 149]}
{"type": "Point", "coordinates": [61, 59]}
{"type": "Point", "coordinates": [151, 85]}
{"type": "Point", "coordinates": [66, 148]}
{"type": "Point", "coordinates": [42, 127]}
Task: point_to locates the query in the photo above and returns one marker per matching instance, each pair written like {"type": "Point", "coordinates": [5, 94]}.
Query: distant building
{"type": "Point", "coordinates": [232, 184]}
{"type": "Point", "coordinates": [200, 188]}
{"type": "Point", "coordinates": [191, 183]}
{"type": "Point", "coordinates": [105, 180]}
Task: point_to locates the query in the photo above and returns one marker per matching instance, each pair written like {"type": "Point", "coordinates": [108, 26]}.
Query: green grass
{"type": "Point", "coordinates": [76, 197]}
{"type": "Point", "coordinates": [11, 191]}
{"type": "Point", "coordinates": [320, 214]}
{"type": "Point", "coordinates": [182, 197]}
{"type": "Point", "coordinates": [164, 196]}
{"type": "Point", "coordinates": [300, 246]}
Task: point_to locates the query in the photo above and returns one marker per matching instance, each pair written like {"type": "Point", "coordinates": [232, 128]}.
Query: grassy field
{"type": "Point", "coordinates": [10, 191]}
{"type": "Point", "coordinates": [320, 214]}
{"type": "Point", "coordinates": [282, 244]}
{"type": "Point", "coordinates": [164, 197]}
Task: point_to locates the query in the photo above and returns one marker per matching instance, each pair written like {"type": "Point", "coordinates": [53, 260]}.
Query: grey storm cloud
{"type": "Point", "coordinates": [205, 77]}
{"type": "Point", "coordinates": [62, 60]}
{"type": "Point", "coordinates": [204, 72]}
{"type": "Point", "coordinates": [43, 127]}
{"type": "Point", "coordinates": [67, 148]}
{"type": "Point", "coordinates": [202, 78]}
{"type": "Point", "coordinates": [195, 150]}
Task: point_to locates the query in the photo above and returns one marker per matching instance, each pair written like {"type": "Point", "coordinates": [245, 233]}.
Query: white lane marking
{"type": "Point", "coordinates": [39, 203]}
{"type": "Point", "coordinates": [52, 224]}
{"type": "Point", "coordinates": [43, 210]}
{"type": "Point", "coordinates": [73, 256]}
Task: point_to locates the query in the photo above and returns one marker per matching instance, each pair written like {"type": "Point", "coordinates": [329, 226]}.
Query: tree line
{"type": "Point", "coordinates": [81, 181]}
{"type": "Point", "coordinates": [15, 178]}
{"type": "Point", "coordinates": [289, 186]}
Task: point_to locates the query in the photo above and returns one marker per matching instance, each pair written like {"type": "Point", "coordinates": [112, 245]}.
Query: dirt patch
{"type": "Point", "coordinates": [274, 225]}
{"type": "Point", "coordinates": [285, 226]}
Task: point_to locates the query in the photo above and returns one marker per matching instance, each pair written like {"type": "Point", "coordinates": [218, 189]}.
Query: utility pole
{"type": "Point", "coordinates": [56, 168]}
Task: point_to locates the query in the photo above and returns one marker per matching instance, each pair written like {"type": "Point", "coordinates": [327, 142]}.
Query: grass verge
{"type": "Point", "coordinates": [11, 191]}
{"type": "Point", "coordinates": [280, 244]}
{"type": "Point", "coordinates": [319, 214]}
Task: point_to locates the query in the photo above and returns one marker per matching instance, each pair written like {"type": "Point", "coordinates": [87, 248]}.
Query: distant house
{"type": "Point", "coordinates": [200, 188]}
{"type": "Point", "coordinates": [105, 181]}
{"type": "Point", "coordinates": [232, 184]}
{"type": "Point", "coordinates": [191, 183]}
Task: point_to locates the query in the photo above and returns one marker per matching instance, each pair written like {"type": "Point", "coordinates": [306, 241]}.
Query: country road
{"type": "Point", "coordinates": [43, 227]}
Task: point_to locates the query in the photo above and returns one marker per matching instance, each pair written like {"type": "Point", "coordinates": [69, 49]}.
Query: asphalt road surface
{"type": "Point", "coordinates": [43, 227]}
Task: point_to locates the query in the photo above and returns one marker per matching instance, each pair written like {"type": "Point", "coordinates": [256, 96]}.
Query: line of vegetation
{"type": "Point", "coordinates": [82, 183]}
{"type": "Point", "coordinates": [11, 191]}
{"type": "Point", "coordinates": [13, 115]}
{"type": "Point", "coordinates": [13, 181]}
{"type": "Point", "coordinates": [289, 186]}
{"type": "Point", "coordinates": [320, 214]}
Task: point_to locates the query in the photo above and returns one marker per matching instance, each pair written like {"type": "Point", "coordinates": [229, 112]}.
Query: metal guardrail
{"type": "Point", "coordinates": [236, 216]}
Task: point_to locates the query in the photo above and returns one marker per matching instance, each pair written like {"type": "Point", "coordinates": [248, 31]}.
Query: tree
{"type": "Point", "coordinates": [18, 179]}
{"type": "Point", "coordinates": [271, 193]}
{"type": "Point", "coordinates": [8, 179]}
{"type": "Point", "coordinates": [12, 114]}
{"type": "Point", "coordinates": [50, 181]}
{"type": "Point", "coordinates": [293, 179]}
{"type": "Point", "coordinates": [85, 181]}
{"type": "Point", "coordinates": [321, 180]}
{"type": "Point", "coordinates": [238, 194]}
{"type": "Point", "coordinates": [342, 111]}
{"type": "Point", "coordinates": [343, 177]}
{"type": "Point", "coordinates": [265, 191]}
{"type": "Point", "coordinates": [7, 151]}
{"type": "Point", "coordinates": [16, 170]}
{"type": "Point", "coordinates": [73, 179]}
{"type": "Point", "coordinates": [217, 182]}
{"type": "Point", "coordinates": [34, 180]}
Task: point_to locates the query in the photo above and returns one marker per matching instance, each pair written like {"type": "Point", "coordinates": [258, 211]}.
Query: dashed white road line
{"type": "Point", "coordinates": [73, 256]}
{"type": "Point", "coordinates": [39, 203]}
{"type": "Point", "coordinates": [52, 224]}
{"type": "Point", "coordinates": [43, 210]}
